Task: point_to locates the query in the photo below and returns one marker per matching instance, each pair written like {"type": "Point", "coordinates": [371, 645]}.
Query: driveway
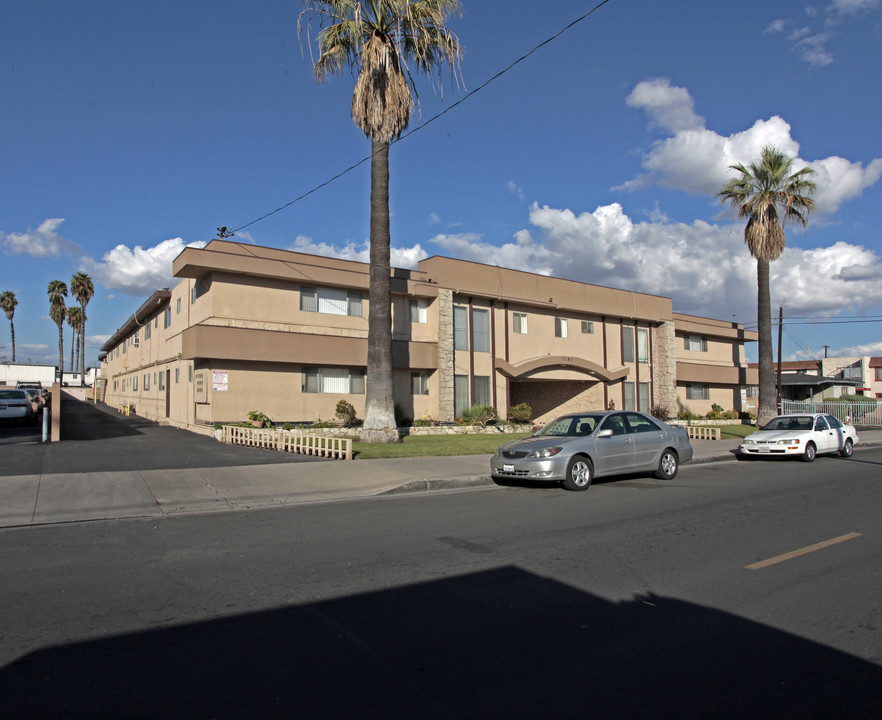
{"type": "Point", "coordinates": [95, 438]}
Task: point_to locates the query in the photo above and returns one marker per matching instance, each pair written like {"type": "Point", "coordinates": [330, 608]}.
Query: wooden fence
{"type": "Point", "coordinates": [294, 441]}
{"type": "Point", "coordinates": [703, 433]}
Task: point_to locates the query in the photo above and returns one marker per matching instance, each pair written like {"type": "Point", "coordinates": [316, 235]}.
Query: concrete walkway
{"type": "Point", "coordinates": [56, 495]}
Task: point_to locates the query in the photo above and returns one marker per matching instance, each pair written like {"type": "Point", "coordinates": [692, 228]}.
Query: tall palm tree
{"type": "Point", "coordinates": [76, 322]}
{"type": "Point", "coordinates": [8, 303]}
{"type": "Point", "coordinates": [768, 195]}
{"type": "Point", "coordinates": [381, 40]}
{"type": "Point", "coordinates": [58, 311]}
{"type": "Point", "coordinates": [82, 289]}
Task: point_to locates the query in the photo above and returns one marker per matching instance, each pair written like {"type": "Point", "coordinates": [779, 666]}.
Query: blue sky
{"type": "Point", "coordinates": [130, 130]}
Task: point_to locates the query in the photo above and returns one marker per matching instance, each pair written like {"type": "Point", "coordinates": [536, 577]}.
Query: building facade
{"type": "Point", "coordinates": [285, 333]}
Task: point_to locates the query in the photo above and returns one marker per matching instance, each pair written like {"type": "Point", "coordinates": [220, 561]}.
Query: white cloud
{"type": "Point", "coordinates": [515, 190]}
{"type": "Point", "coordinates": [697, 160]}
{"type": "Point", "coordinates": [40, 243]}
{"type": "Point", "coordinates": [669, 107]}
{"type": "Point", "coordinates": [704, 268]}
{"type": "Point", "coordinates": [433, 219]}
{"type": "Point", "coordinates": [138, 271]}
{"type": "Point", "coordinates": [399, 257]}
{"type": "Point", "coordinates": [870, 349]}
{"type": "Point", "coordinates": [813, 50]}
{"type": "Point", "coordinates": [852, 7]}
{"type": "Point", "coordinates": [776, 26]}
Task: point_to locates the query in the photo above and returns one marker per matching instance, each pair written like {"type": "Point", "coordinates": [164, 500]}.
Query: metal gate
{"type": "Point", "coordinates": [866, 413]}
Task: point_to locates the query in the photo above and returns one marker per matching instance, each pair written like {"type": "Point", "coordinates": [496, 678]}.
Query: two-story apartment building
{"type": "Point", "coordinates": [285, 333]}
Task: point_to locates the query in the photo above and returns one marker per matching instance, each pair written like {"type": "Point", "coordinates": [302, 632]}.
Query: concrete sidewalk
{"type": "Point", "coordinates": [33, 500]}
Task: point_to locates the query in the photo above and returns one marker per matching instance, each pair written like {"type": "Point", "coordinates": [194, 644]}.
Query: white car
{"type": "Point", "coordinates": [801, 434]}
{"type": "Point", "coordinates": [17, 405]}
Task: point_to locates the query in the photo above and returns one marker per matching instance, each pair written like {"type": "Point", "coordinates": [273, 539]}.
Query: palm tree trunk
{"type": "Point", "coordinates": [73, 334]}
{"type": "Point", "coordinates": [83, 348]}
{"type": "Point", "coordinates": [767, 395]}
{"type": "Point", "coordinates": [61, 351]}
{"type": "Point", "coordinates": [12, 333]}
{"type": "Point", "coordinates": [379, 416]}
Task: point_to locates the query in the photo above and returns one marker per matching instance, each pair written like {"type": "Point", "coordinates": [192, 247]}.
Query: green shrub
{"type": "Point", "coordinates": [480, 415]}
{"type": "Point", "coordinates": [686, 414]}
{"type": "Point", "coordinates": [520, 413]}
{"type": "Point", "coordinates": [346, 412]}
{"type": "Point", "coordinates": [255, 416]}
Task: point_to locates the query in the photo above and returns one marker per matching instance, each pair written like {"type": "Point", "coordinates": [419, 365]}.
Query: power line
{"type": "Point", "coordinates": [430, 120]}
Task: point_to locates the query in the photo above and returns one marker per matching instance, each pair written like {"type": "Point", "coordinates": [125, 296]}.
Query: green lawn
{"type": "Point", "coordinates": [433, 446]}
{"type": "Point", "coordinates": [477, 444]}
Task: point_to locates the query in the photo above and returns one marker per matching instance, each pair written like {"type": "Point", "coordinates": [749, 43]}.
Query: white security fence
{"type": "Point", "coordinates": [295, 441]}
{"type": "Point", "coordinates": [866, 413]}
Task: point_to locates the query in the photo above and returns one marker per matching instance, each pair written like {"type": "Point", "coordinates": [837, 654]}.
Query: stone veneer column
{"type": "Point", "coordinates": [445, 355]}
{"type": "Point", "coordinates": [664, 367]}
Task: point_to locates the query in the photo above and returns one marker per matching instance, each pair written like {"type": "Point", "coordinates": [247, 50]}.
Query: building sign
{"type": "Point", "coordinates": [220, 381]}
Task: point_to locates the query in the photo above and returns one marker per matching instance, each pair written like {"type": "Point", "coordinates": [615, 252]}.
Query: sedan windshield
{"type": "Point", "coordinates": [790, 423]}
{"type": "Point", "coordinates": [571, 426]}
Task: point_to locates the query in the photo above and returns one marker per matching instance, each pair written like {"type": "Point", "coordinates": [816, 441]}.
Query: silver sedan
{"type": "Point", "coordinates": [575, 449]}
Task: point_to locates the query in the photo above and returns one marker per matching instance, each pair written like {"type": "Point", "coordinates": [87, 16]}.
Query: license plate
{"type": "Point", "coordinates": [763, 450]}
{"type": "Point", "coordinates": [508, 468]}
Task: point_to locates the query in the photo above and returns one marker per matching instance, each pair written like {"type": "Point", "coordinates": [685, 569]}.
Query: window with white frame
{"type": "Point", "coordinates": [697, 391]}
{"type": "Point", "coordinates": [461, 396]}
{"type": "Point", "coordinates": [628, 346]}
{"type": "Point", "coordinates": [560, 327]}
{"type": "Point", "coordinates": [167, 317]}
{"type": "Point", "coordinates": [344, 381]}
{"type": "Point", "coordinates": [481, 329]}
{"type": "Point", "coordinates": [642, 345]}
{"type": "Point", "coordinates": [146, 381]}
{"type": "Point", "coordinates": [460, 327]}
{"type": "Point", "coordinates": [519, 323]}
{"type": "Point", "coordinates": [753, 391]}
{"type": "Point", "coordinates": [177, 375]}
{"type": "Point", "coordinates": [178, 306]}
{"type": "Point", "coordinates": [162, 381]}
{"type": "Point", "coordinates": [331, 301]}
{"type": "Point", "coordinates": [630, 395]}
{"type": "Point", "coordinates": [696, 343]}
{"type": "Point", "coordinates": [587, 327]}
{"type": "Point", "coordinates": [147, 331]}
{"type": "Point", "coordinates": [418, 309]}
{"type": "Point", "coordinates": [134, 382]}
{"type": "Point", "coordinates": [643, 401]}
{"type": "Point", "coordinates": [419, 383]}
{"type": "Point", "coordinates": [878, 373]}
{"type": "Point", "coordinates": [482, 390]}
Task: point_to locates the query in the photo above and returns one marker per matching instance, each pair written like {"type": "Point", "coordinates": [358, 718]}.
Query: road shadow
{"type": "Point", "coordinates": [96, 438]}
{"type": "Point", "coordinates": [498, 644]}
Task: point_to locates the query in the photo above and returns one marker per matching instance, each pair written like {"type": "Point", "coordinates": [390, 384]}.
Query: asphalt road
{"type": "Point", "coordinates": [96, 438]}
{"type": "Point", "coordinates": [633, 599]}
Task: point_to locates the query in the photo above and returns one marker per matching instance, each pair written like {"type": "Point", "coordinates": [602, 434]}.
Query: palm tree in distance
{"type": "Point", "coordinates": [58, 311]}
{"type": "Point", "coordinates": [7, 304]}
{"type": "Point", "coordinates": [381, 40]}
{"type": "Point", "coordinates": [768, 195]}
{"type": "Point", "coordinates": [82, 289]}
{"type": "Point", "coordinates": [75, 320]}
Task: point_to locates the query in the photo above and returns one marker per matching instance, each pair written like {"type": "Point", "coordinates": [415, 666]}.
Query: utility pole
{"type": "Point", "coordinates": [826, 347]}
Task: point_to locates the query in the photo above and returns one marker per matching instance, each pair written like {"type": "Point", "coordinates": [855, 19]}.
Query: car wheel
{"type": "Point", "coordinates": [580, 472]}
{"type": "Point", "coordinates": [847, 449]}
{"type": "Point", "coordinates": [668, 464]}
{"type": "Point", "coordinates": [810, 452]}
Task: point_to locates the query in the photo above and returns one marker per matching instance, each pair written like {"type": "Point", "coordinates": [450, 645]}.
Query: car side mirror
{"type": "Point", "coordinates": [604, 433]}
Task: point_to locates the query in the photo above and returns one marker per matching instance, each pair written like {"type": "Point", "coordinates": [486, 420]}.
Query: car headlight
{"type": "Point", "coordinates": [546, 452]}
{"type": "Point", "coordinates": [788, 442]}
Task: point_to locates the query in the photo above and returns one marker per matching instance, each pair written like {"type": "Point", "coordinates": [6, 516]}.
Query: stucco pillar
{"type": "Point", "coordinates": [664, 367]}
{"type": "Point", "coordinates": [445, 355]}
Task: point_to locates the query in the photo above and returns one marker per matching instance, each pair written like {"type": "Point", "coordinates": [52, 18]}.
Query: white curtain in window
{"type": "Point", "coordinates": [335, 380]}
{"type": "Point", "coordinates": [334, 302]}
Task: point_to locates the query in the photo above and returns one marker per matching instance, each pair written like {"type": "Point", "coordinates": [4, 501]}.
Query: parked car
{"type": "Point", "coordinates": [803, 435]}
{"type": "Point", "coordinates": [575, 449]}
{"type": "Point", "coordinates": [17, 404]}
{"type": "Point", "coordinates": [37, 396]}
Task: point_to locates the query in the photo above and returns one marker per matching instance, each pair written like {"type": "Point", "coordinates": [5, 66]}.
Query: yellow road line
{"type": "Point", "coordinates": [801, 551]}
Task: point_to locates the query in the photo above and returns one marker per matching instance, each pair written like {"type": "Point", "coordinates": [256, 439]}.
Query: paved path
{"type": "Point", "coordinates": [109, 466]}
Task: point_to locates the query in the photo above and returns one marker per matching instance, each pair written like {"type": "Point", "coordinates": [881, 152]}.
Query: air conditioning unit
{"type": "Point", "coordinates": [135, 342]}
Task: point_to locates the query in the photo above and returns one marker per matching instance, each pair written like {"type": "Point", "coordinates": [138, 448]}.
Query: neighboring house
{"type": "Point", "coordinates": [831, 378]}
{"type": "Point", "coordinates": [285, 333]}
{"type": "Point", "coordinates": [11, 373]}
